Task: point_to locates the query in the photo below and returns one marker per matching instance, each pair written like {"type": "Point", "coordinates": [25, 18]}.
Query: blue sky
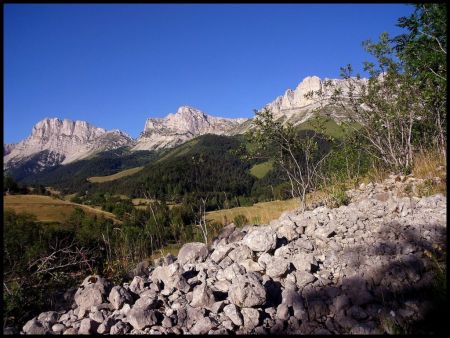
{"type": "Point", "coordinates": [116, 65]}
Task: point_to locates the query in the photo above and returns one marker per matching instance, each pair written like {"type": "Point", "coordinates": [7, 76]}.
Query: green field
{"type": "Point", "coordinates": [48, 209]}
{"type": "Point", "coordinates": [116, 176]}
{"type": "Point", "coordinates": [261, 169]}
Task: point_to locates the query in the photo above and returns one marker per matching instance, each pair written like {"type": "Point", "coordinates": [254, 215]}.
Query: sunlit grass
{"type": "Point", "coordinates": [48, 209]}
{"type": "Point", "coordinates": [116, 176]}
{"type": "Point", "coordinates": [261, 169]}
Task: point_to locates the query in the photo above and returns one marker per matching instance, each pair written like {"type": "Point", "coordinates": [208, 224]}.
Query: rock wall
{"type": "Point", "coordinates": [359, 269]}
{"type": "Point", "coordinates": [66, 139]}
{"type": "Point", "coordinates": [182, 126]}
{"type": "Point", "coordinates": [294, 107]}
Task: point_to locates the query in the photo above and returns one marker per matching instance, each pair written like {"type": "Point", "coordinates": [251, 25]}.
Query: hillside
{"type": "Point", "coordinates": [116, 176]}
{"type": "Point", "coordinates": [369, 267]}
{"type": "Point", "coordinates": [72, 177]}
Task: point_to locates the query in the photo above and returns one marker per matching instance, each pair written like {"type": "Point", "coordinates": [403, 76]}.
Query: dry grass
{"type": "Point", "coordinates": [264, 212]}
{"type": "Point", "coordinates": [428, 165]}
{"type": "Point", "coordinates": [170, 248]}
{"type": "Point", "coordinates": [69, 197]}
{"type": "Point", "coordinates": [432, 167]}
{"type": "Point", "coordinates": [48, 209]}
{"type": "Point", "coordinates": [116, 176]}
{"type": "Point", "coordinates": [258, 213]}
{"type": "Point", "coordinates": [142, 201]}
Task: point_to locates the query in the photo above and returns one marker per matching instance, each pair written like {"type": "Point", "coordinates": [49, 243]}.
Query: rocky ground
{"type": "Point", "coordinates": [364, 268]}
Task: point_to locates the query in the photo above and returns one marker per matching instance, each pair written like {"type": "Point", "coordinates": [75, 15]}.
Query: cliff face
{"type": "Point", "coordinates": [7, 148]}
{"type": "Point", "coordinates": [67, 140]}
{"type": "Point", "coordinates": [294, 106]}
{"type": "Point", "coordinates": [182, 126]}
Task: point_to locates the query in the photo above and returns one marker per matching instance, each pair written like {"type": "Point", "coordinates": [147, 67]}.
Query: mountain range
{"type": "Point", "coordinates": [54, 141]}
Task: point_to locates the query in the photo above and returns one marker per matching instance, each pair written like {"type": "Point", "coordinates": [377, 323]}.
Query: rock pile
{"type": "Point", "coordinates": [357, 269]}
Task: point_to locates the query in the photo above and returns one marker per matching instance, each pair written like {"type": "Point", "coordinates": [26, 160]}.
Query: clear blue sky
{"type": "Point", "coordinates": [116, 65]}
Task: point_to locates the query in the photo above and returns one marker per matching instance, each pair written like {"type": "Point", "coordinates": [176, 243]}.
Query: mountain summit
{"type": "Point", "coordinates": [182, 126]}
{"type": "Point", "coordinates": [293, 106]}
{"type": "Point", "coordinates": [64, 141]}
{"type": "Point", "coordinates": [54, 141]}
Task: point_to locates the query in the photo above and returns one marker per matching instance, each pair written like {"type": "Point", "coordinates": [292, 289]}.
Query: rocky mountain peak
{"type": "Point", "coordinates": [7, 148]}
{"type": "Point", "coordinates": [297, 108]}
{"type": "Point", "coordinates": [187, 111]}
{"type": "Point", "coordinates": [65, 140]}
{"type": "Point", "coordinates": [179, 127]}
{"type": "Point", "coordinates": [50, 127]}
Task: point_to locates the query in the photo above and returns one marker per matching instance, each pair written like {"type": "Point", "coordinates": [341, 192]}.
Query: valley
{"type": "Point", "coordinates": [324, 212]}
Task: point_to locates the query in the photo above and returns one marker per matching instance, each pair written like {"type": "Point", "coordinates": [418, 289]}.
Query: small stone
{"type": "Point", "coordinates": [277, 267]}
{"type": "Point", "coordinates": [192, 253]}
{"type": "Point", "coordinates": [34, 326]}
{"type": "Point", "coordinates": [58, 328]}
{"type": "Point", "coordinates": [202, 326]}
{"type": "Point", "coordinates": [139, 318]}
{"type": "Point", "coordinates": [251, 318]}
{"type": "Point", "coordinates": [261, 239]}
{"type": "Point", "coordinates": [202, 297]}
{"type": "Point", "coordinates": [70, 331]}
{"type": "Point", "coordinates": [87, 326]}
{"type": "Point", "coordinates": [167, 322]}
{"type": "Point", "coordinates": [119, 296]}
{"type": "Point", "coordinates": [49, 317]}
{"type": "Point", "coordinates": [282, 312]}
{"type": "Point", "coordinates": [234, 314]}
{"type": "Point", "coordinates": [247, 291]}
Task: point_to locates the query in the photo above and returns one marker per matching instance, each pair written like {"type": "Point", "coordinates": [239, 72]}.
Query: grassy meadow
{"type": "Point", "coordinates": [116, 176]}
{"type": "Point", "coordinates": [48, 209]}
{"type": "Point", "coordinates": [260, 170]}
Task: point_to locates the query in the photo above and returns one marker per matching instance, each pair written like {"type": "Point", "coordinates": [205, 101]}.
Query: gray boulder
{"type": "Point", "coordinates": [282, 312]}
{"type": "Point", "coordinates": [303, 278]}
{"type": "Point", "coordinates": [251, 318]}
{"type": "Point", "coordinates": [232, 312]}
{"type": "Point", "coordinates": [91, 292]}
{"type": "Point", "coordinates": [171, 276]}
{"type": "Point", "coordinates": [221, 252]}
{"type": "Point", "coordinates": [277, 267]}
{"type": "Point", "coordinates": [34, 326]}
{"type": "Point", "coordinates": [119, 328]}
{"type": "Point", "coordinates": [202, 297]}
{"type": "Point", "coordinates": [287, 231]}
{"type": "Point", "coordinates": [202, 326]}
{"type": "Point", "coordinates": [241, 253]}
{"type": "Point", "coordinates": [251, 266]}
{"type": "Point", "coordinates": [119, 296]}
{"type": "Point", "coordinates": [57, 328]}
{"type": "Point", "coordinates": [247, 291]}
{"type": "Point", "coordinates": [304, 262]}
{"type": "Point", "coordinates": [140, 317]}
{"type": "Point", "coordinates": [192, 253]}
{"type": "Point", "coordinates": [137, 285]}
{"type": "Point", "coordinates": [261, 239]}
{"type": "Point", "coordinates": [87, 326]}
{"type": "Point", "coordinates": [49, 317]}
